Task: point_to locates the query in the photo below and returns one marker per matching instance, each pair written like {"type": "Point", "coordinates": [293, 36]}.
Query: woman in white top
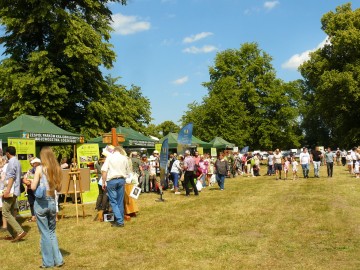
{"type": "Point", "coordinates": [176, 171]}
{"type": "Point", "coordinates": [349, 162]}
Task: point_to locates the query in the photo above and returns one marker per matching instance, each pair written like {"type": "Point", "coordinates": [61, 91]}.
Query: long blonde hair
{"type": "Point", "coordinates": [52, 168]}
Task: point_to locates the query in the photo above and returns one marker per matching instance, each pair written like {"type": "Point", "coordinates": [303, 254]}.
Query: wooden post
{"type": "Point", "coordinates": [114, 138]}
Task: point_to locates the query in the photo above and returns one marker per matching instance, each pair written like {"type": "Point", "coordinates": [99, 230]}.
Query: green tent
{"type": "Point", "coordinates": [133, 139]}
{"type": "Point", "coordinates": [38, 128]}
{"type": "Point", "coordinates": [172, 140]}
{"type": "Point", "coordinates": [220, 143]}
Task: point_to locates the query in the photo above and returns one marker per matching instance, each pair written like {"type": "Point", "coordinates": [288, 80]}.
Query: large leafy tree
{"type": "Point", "coordinates": [332, 76]}
{"type": "Point", "coordinates": [168, 126]}
{"type": "Point", "coordinates": [246, 103]}
{"type": "Point", "coordinates": [54, 53]}
{"type": "Point", "coordinates": [117, 106]}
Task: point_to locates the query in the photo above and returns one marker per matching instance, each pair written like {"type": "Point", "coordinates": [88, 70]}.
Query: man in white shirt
{"type": "Point", "coordinates": [115, 169]}
{"type": "Point", "coordinates": [305, 160]}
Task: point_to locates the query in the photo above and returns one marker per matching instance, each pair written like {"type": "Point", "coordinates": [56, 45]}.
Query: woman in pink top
{"type": "Point", "coordinates": [202, 170]}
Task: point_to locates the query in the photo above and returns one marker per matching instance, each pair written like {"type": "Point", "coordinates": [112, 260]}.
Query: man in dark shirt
{"type": "Point", "coordinates": [316, 157]}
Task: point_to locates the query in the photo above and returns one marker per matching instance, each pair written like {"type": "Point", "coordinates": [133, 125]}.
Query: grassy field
{"type": "Point", "coordinates": [255, 223]}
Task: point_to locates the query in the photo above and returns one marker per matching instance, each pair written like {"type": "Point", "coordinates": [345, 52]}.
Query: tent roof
{"type": "Point", "coordinates": [133, 138]}
{"type": "Point", "coordinates": [219, 142]}
{"type": "Point", "coordinates": [38, 128]}
{"type": "Point", "coordinates": [172, 140]}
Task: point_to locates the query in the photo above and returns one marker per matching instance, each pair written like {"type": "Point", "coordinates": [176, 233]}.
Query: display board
{"type": "Point", "coordinates": [85, 181]}
{"type": "Point", "coordinates": [87, 154]}
{"type": "Point", "coordinates": [25, 150]}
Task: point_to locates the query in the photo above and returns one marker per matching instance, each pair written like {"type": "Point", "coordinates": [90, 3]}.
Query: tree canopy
{"type": "Point", "coordinates": [246, 103]}
{"type": "Point", "coordinates": [332, 78]}
{"type": "Point", "coordinates": [54, 53]}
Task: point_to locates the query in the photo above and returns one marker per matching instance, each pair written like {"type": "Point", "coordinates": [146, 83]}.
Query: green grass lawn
{"type": "Point", "coordinates": [255, 223]}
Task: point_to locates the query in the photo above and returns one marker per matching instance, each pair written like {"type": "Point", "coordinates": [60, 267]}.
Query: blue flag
{"type": "Point", "coordinates": [184, 138]}
{"type": "Point", "coordinates": [185, 134]}
{"type": "Point", "coordinates": [244, 150]}
{"type": "Point", "coordinates": [164, 154]}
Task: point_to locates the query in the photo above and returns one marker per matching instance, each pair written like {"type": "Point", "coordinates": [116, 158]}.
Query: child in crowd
{"type": "Point", "coordinates": [349, 162]}
{"type": "Point", "coordinates": [294, 164]}
{"type": "Point", "coordinates": [286, 167]}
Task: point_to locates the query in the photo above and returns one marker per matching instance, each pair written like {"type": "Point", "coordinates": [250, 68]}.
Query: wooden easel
{"type": "Point", "coordinates": [74, 176]}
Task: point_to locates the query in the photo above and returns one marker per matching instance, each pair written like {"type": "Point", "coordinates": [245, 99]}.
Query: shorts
{"type": "Point", "coordinates": [278, 167]}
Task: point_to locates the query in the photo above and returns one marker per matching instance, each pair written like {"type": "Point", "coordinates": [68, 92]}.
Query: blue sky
{"type": "Point", "coordinates": [167, 46]}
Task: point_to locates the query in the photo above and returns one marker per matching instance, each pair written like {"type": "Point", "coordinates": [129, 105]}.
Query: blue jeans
{"type": "Point", "coordinates": [45, 210]}
{"type": "Point", "coordinates": [116, 191]}
{"type": "Point", "coordinates": [175, 177]}
{"type": "Point", "coordinates": [305, 168]}
{"type": "Point", "coordinates": [316, 167]}
{"type": "Point", "coordinates": [221, 180]}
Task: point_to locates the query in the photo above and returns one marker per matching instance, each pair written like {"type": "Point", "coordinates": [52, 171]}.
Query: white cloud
{"type": "Point", "coordinates": [196, 37]}
{"type": "Point", "coordinates": [297, 59]}
{"type": "Point", "coordinates": [196, 50]}
{"type": "Point", "coordinates": [271, 4]}
{"type": "Point", "coordinates": [181, 80]}
{"type": "Point", "coordinates": [126, 25]}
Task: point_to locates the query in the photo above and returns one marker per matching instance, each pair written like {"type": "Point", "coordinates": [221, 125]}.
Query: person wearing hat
{"type": "Point", "coordinates": [102, 200]}
{"type": "Point", "coordinates": [28, 177]}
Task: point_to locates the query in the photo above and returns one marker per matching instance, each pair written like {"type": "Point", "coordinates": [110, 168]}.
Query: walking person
{"type": "Point", "coordinates": [222, 169]}
{"type": "Point", "coordinates": [316, 157]}
{"type": "Point", "coordinates": [294, 165]}
{"type": "Point", "coordinates": [286, 167]}
{"type": "Point", "coordinates": [115, 169]}
{"type": "Point", "coordinates": [277, 158]}
{"type": "Point", "coordinates": [189, 167]}
{"type": "Point", "coordinates": [48, 175]}
{"type": "Point", "coordinates": [305, 160]}
{"type": "Point", "coordinates": [270, 163]}
{"type": "Point", "coordinates": [329, 161]}
{"type": "Point", "coordinates": [176, 171]}
{"type": "Point", "coordinates": [349, 162]}
{"type": "Point", "coordinates": [12, 184]}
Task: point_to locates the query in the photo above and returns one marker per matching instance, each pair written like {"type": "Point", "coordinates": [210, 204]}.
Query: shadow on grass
{"type": "Point", "coordinates": [64, 252]}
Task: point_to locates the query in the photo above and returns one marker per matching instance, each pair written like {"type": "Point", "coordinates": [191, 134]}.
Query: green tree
{"type": "Point", "coordinates": [152, 130]}
{"type": "Point", "coordinates": [333, 75]}
{"type": "Point", "coordinates": [54, 51]}
{"type": "Point", "coordinates": [168, 126]}
{"type": "Point", "coordinates": [117, 106]}
{"type": "Point", "coordinates": [246, 103]}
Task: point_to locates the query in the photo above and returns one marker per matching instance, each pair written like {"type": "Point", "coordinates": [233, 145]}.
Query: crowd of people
{"type": "Point", "coordinates": [190, 172]}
